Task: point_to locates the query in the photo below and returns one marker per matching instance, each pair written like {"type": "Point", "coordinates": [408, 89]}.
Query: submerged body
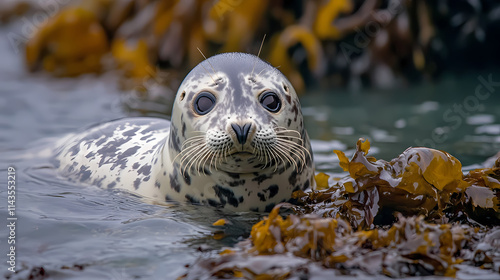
{"type": "Point", "coordinates": [236, 140]}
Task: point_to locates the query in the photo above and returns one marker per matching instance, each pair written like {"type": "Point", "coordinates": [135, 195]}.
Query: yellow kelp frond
{"type": "Point", "coordinates": [71, 43]}
{"type": "Point", "coordinates": [132, 57]}
{"type": "Point", "coordinates": [324, 26]}
{"type": "Point", "coordinates": [279, 53]}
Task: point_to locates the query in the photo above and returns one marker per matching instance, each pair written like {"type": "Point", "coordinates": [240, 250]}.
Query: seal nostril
{"type": "Point", "coordinates": [246, 129]}
{"type": "Point", "coordinates": [241, 132]}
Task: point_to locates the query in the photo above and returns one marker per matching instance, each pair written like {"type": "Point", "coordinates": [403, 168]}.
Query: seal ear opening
{"type": "Point", "coordinates": [285, 87]}
{"type": "Point", "coordinates": [183, 94]}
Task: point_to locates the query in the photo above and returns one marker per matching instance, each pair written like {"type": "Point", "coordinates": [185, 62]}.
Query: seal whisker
{"type": "Point", "coordinates": [293, 145]}
{"type": "Point", "coordinates": [298, 151]}
{"type": "Point", "coordinates": [191, 140]}
{"type": "Point", "coordinates": [188, 152]}
{"type": "Point", "coordinates": [227, 149]}
{"type": "Point", "coordinates": [224, 152]}
{"type": "Point", "coordinates": [189, 159]}
{"type": "Point", "coordinates": [198, 131]}
{"type": "Point", "coordinates": [275, 158]}
{"type": "Point", "coordinates": [298, 137]}
{"type": "Point", "coordinates": [290, 138]}
{"type": "Point", "coordinates": [210, 66]}
{"type": "Point", "coordinates": [279, 157]}
{"type": "Point", "coordinates": [198, 158]}
{"type": "Point", "coordinates": [290, 152]}
{"type": "Point", "coordinates": [199, 151]}
{"type": "Point", "coordinates": [282, 150]}
{"type": "Point", "coordinates": [213, 156]}
{"type": "Point", "coordinates": [282, 130]}
{"type": "Point", "coordinates": [264, 155]}
{"type": "Point", "coordinates": [258, 54]}
{"type": "Point", "coordinates": [209, 154]}
{"type": "Point", "coordinates": [294, 152]}
{"type": "Point", "coordinates": [269, 156]}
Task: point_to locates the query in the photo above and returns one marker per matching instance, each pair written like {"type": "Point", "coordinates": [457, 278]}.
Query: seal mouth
{"type": "Point", "coordinates": [242, 154]}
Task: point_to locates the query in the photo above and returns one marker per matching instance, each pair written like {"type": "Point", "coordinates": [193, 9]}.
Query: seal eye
{"type": "Point", "coordinates": [204, 102]}
{"type": "Point", "coordinates": [271, 102]}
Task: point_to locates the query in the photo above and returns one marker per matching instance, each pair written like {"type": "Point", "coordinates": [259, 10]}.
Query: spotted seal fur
{"type": "Point", "coordinates": [236, 140]}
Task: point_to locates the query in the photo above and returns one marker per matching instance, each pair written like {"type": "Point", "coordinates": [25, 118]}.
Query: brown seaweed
{"type": "Point", "coordinates": [415, 215]}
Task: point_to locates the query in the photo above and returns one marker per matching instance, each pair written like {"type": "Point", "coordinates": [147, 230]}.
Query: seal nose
{"type": "Point", "coordinates": [241, 132]}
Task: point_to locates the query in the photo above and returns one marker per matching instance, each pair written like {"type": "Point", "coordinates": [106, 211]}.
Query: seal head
{"type": "Point", "coordinates": [237, 119]}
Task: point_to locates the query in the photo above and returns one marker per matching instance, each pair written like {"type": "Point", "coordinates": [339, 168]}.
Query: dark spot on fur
{"type": "Point", "coordinates": [146, 170]}
{"type": "Point", "coordinates": [261, 178]}
{"type": "Point", "coordinates": [137, 182]}
{"type": "Point", "coordinates": [281, 170]}
{"type": "Point", "coordinates": [174, 184]}
{"type": "Point", "coordinates": [254, 209]}
{"type": "Point", "coordinates": [261, 196]}
{"type": "Point", "coordinates": [241, 199]}
{"type": "Point", "coordinates": [306, 185]}
{"type": "Point", "coordinates": [131, 132]}
{"type": "Point", "coordinates": [101, 141]}
{"type": "Point", "coordinates": [187, 178]}
{"type": "Point", "coordinates": [192, 199]}
{"type": "Point", "coordinates": [183, 129]}
{"type": "Point", "coordinates": [98, 182]}
{"type": "Point", "coordinates": [289, 122]}
{"type": "Point", "coordinates": [293, 178]}
{"type": "Point", "coordinates": [295, 110]}
{"type": "Point", "coordinates": [174, 140]}
{"type": "Point", "coordinates": [213, 203]}
{"type": "Point", "coordinates": [233, 175]}
{"type": "Point", "coordinates": [236, 183]}
{"type": "Point", "coordinates": [136, 165]}
{"type": "Point", "coordinates": [124, 157]}
{"type": "Point", "coordinates": [273, 190]}
{"type": "Point", "coordinates": [157, 184]}
{"type": "Point", "coordinates": [74, 150]}
{"type": "Point", "coordinates": [225, 195]}
{"type": "Point", "coordinates": [146, 178]}
{"type": "Point", "coordinates": [89, 155]}
{"type": "Point", "coordinates": [111, 185]}
{"type": "Point", "coordinates": [269, 207]}
{"type": "Point", "coordinates": [85, 173]}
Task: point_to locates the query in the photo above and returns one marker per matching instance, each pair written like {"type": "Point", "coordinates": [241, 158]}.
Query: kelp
{"type": "Point", "coordinates": [71, 43]}
{"type": "Point", "coordinates": [415, 215]}
{"type": "Point", "coordinates": [421, 181]}
{"type": "Point", "coordinates": [329, 43]}
{"type": "Point", "coordinates": [295, 246]}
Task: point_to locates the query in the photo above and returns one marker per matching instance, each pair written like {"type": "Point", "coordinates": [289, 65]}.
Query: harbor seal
{"type": "Point", "coordinates": [236, 140]}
